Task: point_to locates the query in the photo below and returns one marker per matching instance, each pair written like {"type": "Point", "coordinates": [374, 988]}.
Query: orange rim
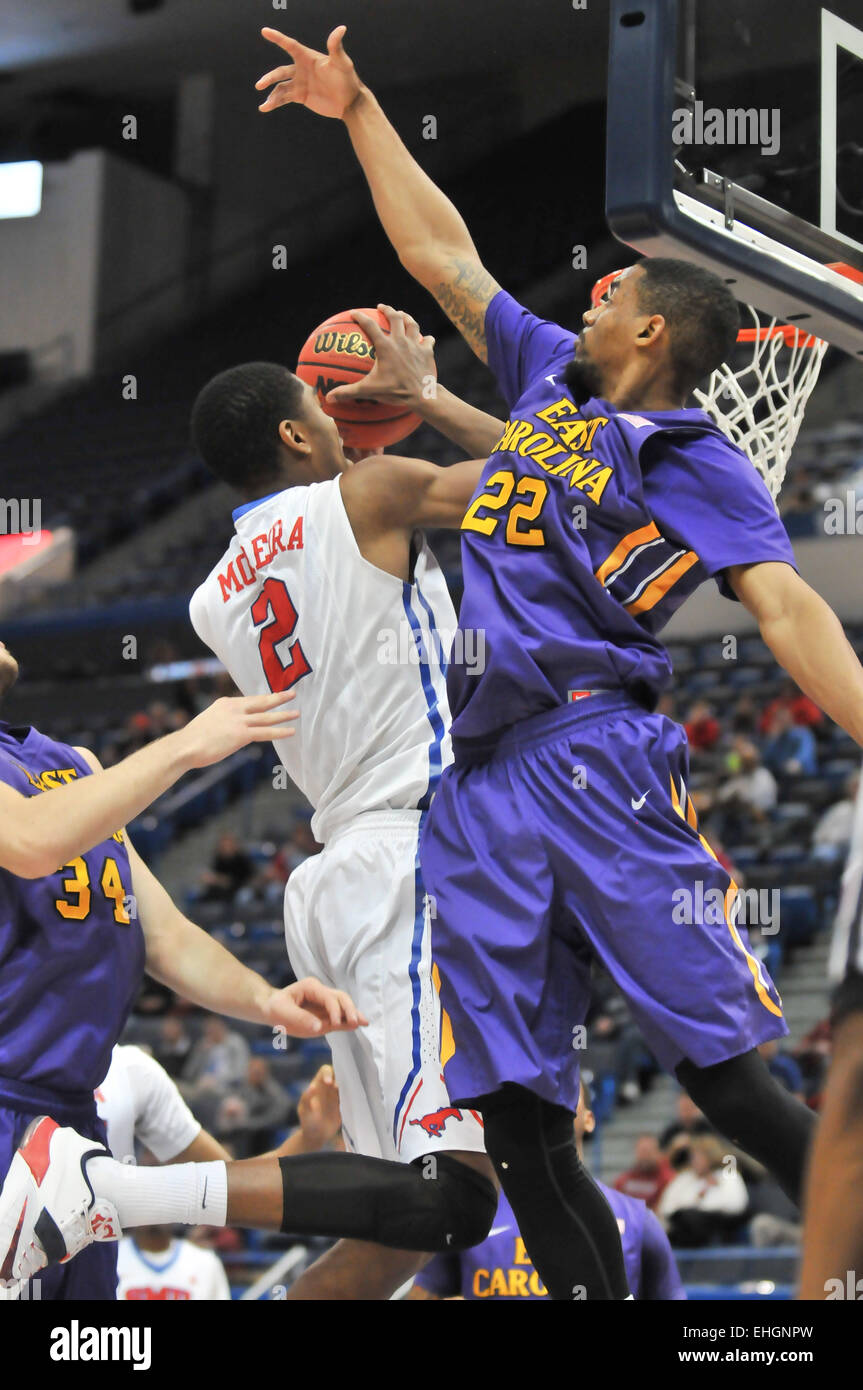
{"type": "Point", "coordinates": [794, 337]}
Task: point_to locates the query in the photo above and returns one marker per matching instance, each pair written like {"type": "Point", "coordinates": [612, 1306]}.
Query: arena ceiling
{"type": "Point", "coordinates": [106, 46]}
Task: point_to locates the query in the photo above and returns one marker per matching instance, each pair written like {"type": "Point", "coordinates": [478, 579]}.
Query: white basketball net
{"type": "Point", "coordinates": [760, 404]}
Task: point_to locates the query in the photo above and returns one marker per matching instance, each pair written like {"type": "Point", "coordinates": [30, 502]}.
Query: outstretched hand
{"type": "Point", "coordinates": [308, 1009]}
{"type": "Point", "coordinates": [231, 722]}
{"type": "Point", "coordinates": [326, 83]}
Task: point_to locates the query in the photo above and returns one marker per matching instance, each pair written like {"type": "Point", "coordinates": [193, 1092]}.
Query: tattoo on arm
{"type": "Point", "coordinates": [464, 297]}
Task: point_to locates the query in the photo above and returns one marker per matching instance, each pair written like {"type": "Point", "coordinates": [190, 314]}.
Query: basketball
{"type": "Point", "coordinates": [337, 353]}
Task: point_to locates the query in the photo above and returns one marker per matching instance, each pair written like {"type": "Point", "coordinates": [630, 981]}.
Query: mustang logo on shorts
{"type": "Point", "coordinates": [435, 1123]}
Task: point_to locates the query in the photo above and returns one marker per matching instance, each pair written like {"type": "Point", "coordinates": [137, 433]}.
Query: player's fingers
{"type": "Point", "coordinates": [351, 391]}
{"type": "Point", "coordinates": [397, 319]}
{"type": "Point", "coordinates": [345, 1009]}
{"type": "Point", "coordinates": [283, 95]}
{"type": "Point", "coordinates": [268, 718]}
{"type": "Point", "coordinates": [284, 74]}
{"type": "Point", "coordinates": [335, 46]}
{"type": "Point", "coordinates": [354, 1017]}
{"type": "Point", "coordinates": [259, 704]}
{"type": "Point", "coordinates": [284, 41]}
{"type": "Point", "coordinates": [272, 734]}
{"type": "Point", "coordinates": [405, 321]}
{"type": "Point", "coordinates": [370, 327]}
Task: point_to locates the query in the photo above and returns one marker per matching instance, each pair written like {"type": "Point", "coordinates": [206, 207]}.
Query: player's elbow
{"type": "Point", "coordinates": [25, 860]}
{"type": "Point", "coordinates": [772, 592]}
{"type": "Point", "coordinates": [431, 262]}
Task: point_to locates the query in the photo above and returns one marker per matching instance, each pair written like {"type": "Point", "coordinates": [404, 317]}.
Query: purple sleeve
{"type": "Point", "coordinates": [521, 346]}
{"type": "Point", "coordinates": [660, 1279]}
{"type": "Point", "coordinates": [706, 494]}
{"type": "Point", "coordinates": [441, 1276]}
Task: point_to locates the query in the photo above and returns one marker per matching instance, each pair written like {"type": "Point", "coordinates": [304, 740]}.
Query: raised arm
{"type": "Point", "coordinates": [427, 232]}
{"type": "Point", "coordinates": [806, 637]}
{"type": "Point", "coordinates": [39, 832]}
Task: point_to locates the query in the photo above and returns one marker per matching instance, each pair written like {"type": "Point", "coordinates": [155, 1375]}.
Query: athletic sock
{"type": "Point", "coordinates": [188, 1194]}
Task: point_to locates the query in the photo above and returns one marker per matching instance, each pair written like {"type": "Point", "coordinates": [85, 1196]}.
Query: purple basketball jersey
{"type": "Point", "coordinates": [71, 952]}
{"type": "Point", "coordinates": [589, 528]}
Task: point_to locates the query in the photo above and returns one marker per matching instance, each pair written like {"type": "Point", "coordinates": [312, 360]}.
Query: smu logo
{"type": "Point", "coordinates": [435, 1123]}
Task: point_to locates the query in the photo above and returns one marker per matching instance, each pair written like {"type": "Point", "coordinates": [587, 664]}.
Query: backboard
{"type": "Point", "coordinates": [735, 139]}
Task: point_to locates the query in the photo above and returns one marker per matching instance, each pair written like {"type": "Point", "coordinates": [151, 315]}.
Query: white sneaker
{"type": "Point", "coordinates": [48, 1211]}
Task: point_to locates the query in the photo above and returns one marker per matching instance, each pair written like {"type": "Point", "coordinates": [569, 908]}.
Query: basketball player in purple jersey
{"type": "Point", "coordinates": [500, 1266]}
{"type": "Point", "coordinates": [82, 917]}
{"type": "Point", "coordinates": [564, 827]}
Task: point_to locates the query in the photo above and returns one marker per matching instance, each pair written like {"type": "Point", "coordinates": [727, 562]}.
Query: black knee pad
{"type": "Point", "coordinates": [461, 1203]}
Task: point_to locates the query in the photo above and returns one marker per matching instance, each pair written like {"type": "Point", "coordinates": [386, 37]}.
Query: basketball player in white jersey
{"type": "Point", "coordinates": [329, 589]}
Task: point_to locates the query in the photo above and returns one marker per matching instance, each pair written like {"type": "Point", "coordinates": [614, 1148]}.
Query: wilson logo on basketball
{"type": "Point", "coordinates": [352, 344]}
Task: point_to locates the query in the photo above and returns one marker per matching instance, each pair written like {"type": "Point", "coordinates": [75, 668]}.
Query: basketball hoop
{"type": "Point", "coordinates": [759, 402]}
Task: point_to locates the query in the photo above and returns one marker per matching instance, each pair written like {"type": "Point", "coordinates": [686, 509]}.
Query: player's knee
{"type": "Point", "coordinates": [520, 1128]}
{"type": "Point", "coordinates": [466, 1202]}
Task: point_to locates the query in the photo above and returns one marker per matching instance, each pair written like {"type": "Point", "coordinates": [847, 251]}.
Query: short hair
{"type": "Point", "coordinates": [701, 313]}
{"type": "Point", "coordinates": [236, 418]}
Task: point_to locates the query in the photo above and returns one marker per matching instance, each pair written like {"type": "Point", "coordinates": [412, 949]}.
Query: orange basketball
{"type": "Point", "coordinates": [339, 352]}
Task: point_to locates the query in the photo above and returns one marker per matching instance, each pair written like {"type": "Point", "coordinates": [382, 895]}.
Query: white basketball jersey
{"type": "Point", "coordinates": [293, 604]}
{"type": "Point", "coordinates": [138, 1100]}
{"type": "Point", "coordinates": [183, 1273]}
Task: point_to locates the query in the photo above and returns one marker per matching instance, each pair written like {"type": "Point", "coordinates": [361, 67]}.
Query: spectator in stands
{"type": "Point", "coordinates": [689, 1123]}
{"type": "Point", "coordinates": [229, 871]}
{"type": "Point", "coordinates": [790, 750]}
{"type": "Point", "coordinates": [172, 1046]}
{"type": "Point", "coordinates": [745, 717]}
{"type": "Point", "coordinates": [218, 1063]}
{"type": "Point", "coordinates": [250, 1116]}
{"type": "Point", "coordinates": [748, 795]}
{"type": "Point", "coordinates": [702, 726]}
{"type": "Point", "coordinates": [616, 1051]}
{"type": "Point", "coordinates": [783, 1066]}
{"type": "Point", "coordinates": [706, 1198]}
{"type": "Point", "coordinates": [833, 830]}
{"type": "Point", "coordinates": [302, 844]}
{"type": "Point", "coordinates": [813, 1056]}
{"type": "Point", "coordinates": [803, 710]}
{"type": "Point", "coordinates": [159, 716]}
{"type": "Point", "coordinates": [667, 705]}
{"type": "Point", "coordinates": [650, 1173]}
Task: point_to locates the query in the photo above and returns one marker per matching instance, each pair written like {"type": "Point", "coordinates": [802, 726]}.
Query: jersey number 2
{"type": "Point", "coordinates": [274, 599]}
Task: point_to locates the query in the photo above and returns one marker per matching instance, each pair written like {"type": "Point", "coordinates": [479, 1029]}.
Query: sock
{"type": "Point", "coordinates": [187, 1194]}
